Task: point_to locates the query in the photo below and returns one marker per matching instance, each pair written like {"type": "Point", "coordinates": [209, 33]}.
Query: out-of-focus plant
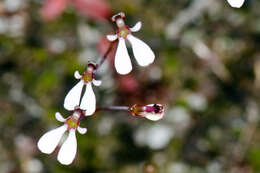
{"type": "Point", "coordinates": [98, 9]}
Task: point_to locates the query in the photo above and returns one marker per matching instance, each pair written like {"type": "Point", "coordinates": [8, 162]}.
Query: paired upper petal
{"type": "Point", "coordinates": [59, 117]}
{"type": "Point", "coordinates": [142, 52]}
{"type": "Point", "coordinates": [49, 141]}
{"type": "Point", "coordinates": [82, 130]}
{"type": "Point", "coordinates": [72, 99]}
{"type": "Point", "coordinates": [68, 149]}
{"type": "Point", "coordinates": [137, 27]}
{"type": "Point", "coordinates": [96, 82]}
{"type": "Point", "coordinates": [77, 75]}
{"type": "Point", "coordinates": [122, 60]}
{"type": "Point", "coordinates": [112, 37]}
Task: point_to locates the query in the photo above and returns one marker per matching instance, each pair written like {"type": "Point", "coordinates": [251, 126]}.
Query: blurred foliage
{"type": "Point", "coordinates": [206, 72]}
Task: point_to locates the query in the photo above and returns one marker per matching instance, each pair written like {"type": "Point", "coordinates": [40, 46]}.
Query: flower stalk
{"type": "Point", "coordinates": [104, 57]}
{"type": "Point", "coordinates": [114, 108]}
{"type": "Point", "coordinates": [152, 112]}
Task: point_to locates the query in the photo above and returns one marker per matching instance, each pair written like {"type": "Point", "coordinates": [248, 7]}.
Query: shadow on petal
{"type": "Point", "coordinates": [142, 52]}
{"type": "Point", "coordinates": [49, 141]}
{"type": "Point", "coordinates": [68, 149]}
{"type": "Point", "coordinates": [73, 97]}
{"type": "Point", "coordinates": [88, 102]}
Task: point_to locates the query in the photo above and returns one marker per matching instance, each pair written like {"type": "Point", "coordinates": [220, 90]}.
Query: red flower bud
{"type": "Point", "coordinates": [152, 112]}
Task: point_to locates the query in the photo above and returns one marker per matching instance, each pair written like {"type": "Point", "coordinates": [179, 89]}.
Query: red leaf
{"type": "Point", "coordinates": [95, 9]}
{"type": "Point", "coordinates": [53, 8]}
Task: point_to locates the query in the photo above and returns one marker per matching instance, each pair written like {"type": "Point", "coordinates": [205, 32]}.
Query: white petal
{"type": "Point", "coordinates": [96, 82]}
{"type": "Point", "coordinates": [122, 60]}
{"type": "Point", "coordinates": [142, 52]}
{"type": "Point", "coordinates": [88, 101]}
{"type": "Point", "coordinates": [77, 75]}
{"type": "Point", "coordinates": [151, 105]}
{"type": "Point", "coordinates": [236, 3]}
{"type": "Point", "coordinates": [154, 117]}
{"type": "Point", "coordinates": [82, 130]}
{"type": "Point", "coordinates": [59, 117]}
{"type": "Point", "coordinates": [73, 97]}
{"type": "Point", "coordinates": [68, 149]}
{"type": "Point", "coordinates": [49, 141]}
{"type": "Point", "coordinates": [112, 37]}
{"type": "Point", "coordinates": [137, 27]}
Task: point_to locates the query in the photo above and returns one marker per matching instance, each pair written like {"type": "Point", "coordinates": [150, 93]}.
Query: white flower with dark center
{"type": "Point", "coordinates": [88, 101]}
{"type": "Point", "coordinates": [236, 3]}
{"type": "Point", "coordinates": [50, 140]}
{"type": "Point", "coordinates": [152, 112]}
{"type": "Point", "coordinates": [142, 52]}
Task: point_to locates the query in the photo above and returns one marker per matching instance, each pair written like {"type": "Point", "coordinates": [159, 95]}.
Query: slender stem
{"type": "Point", "coordinates": [104, 57]}
{"type": "Point", "coordinates": [111, 108]}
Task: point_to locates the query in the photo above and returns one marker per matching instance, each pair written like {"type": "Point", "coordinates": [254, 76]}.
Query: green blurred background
{"type": "Point", "coordinates": [206, 73]}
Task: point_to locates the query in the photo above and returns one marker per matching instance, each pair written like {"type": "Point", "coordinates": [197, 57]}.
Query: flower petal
{"type": "Point", "coordinates": [73, 97]}
{"type": "Point", "coordinates": [96, 82]}
{"type": "Point", "coordinates": [137, 27]}
{"type": "Point", "coordinates": [236, 3]}
{"type": "Point", "coordinates": [142, 52]}
{"type": "Point", "coordinates": [88, 101]}
{"type": "Point", "coordinates": [68, 149]}
{"type": "Point", "coordinates": [82, 130]}
{"type": "Point", "coordinates": [77, 75]}
{"type": "Point", "coordinates": [111, 37]}
{"type": "Point", "coordinates": [59, 117]}
{"type": "Point", "coordinates": [49, 141]}
{"type": "Point", "coordinates": [154, 117]}
{"type": "Point", "coordinates": [122, 60]}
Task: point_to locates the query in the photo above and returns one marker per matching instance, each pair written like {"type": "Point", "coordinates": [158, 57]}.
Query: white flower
{"type": "Point", "coordinates": [50, 140]}
{"type": "Point", "coordinates": [236, 3]}
{"type": "Point", "coordinates": [142, 52]}
{"type": "Point", "coordinates": [88, 101]}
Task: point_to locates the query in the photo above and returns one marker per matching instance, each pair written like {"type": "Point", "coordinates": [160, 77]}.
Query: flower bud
{"type": "Point", "coordinates": [152, 112]}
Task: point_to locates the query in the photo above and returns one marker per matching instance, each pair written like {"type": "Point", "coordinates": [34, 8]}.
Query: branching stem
{"type": "Point", "coordinates": [104, 57]}
{"type": "Point", "coordinates": [112, 108]}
